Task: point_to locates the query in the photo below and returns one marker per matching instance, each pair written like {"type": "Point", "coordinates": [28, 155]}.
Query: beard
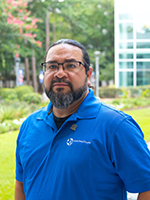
{"type": "Point", "coordinates": [62, 100]}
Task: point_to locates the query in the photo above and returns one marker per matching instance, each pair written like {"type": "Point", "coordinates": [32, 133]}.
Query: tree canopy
{"type": "Point", "coordinates": [23, 25]}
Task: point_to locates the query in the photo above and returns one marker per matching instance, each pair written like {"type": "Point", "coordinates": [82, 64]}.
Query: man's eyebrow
{"type": "Point", "coordinates": [70, 60]}
{"type": "Point", "coordinates": [66, 60]}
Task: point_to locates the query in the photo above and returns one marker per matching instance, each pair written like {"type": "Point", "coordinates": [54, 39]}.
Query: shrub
{"type": "Point", "coordinates": [106, 92]}
{"type": "Point", "coordinates": [22, 90]}
{"type": "Point", "coordinates": [21, 93]}
{"type": "Point", "coordinates": [16, 110]}
{"type": "Point", "coordinates": [112, 92]}
{"type": "Point", "coordinates": [4, 128]}
{"type": "Point", "coordinates": [146, 93]}
{"type": "Point", "coordinates": [8, 94]}
{"type": "Point", "coordinates": [32, 98]}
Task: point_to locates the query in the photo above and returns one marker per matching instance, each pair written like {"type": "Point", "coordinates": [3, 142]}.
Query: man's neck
{"type": "Point", "coordinates": [70, 109]}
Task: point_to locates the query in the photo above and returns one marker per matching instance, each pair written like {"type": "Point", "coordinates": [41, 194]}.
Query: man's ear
{"type": "Point", "coordinates": [89, 73]}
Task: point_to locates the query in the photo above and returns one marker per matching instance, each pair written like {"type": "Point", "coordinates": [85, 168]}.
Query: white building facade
{"type": "Point", "coordinates": [132, 43]}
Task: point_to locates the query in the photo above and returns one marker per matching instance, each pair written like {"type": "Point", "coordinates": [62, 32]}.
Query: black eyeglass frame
{"type": "Point", "coordinates": [44, 64]}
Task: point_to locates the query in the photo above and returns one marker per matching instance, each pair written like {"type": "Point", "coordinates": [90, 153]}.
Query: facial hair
{"type": "Point", "coordinates": [61, 99]}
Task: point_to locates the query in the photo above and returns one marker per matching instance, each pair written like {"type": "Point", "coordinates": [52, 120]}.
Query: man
{"type": "Point", "coordinates": [78, 148]}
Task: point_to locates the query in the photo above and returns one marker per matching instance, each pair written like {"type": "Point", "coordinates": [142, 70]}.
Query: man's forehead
{"type": "Point", "coordinates": [64, 49]}
{"type": "Point", "coordinates": [64, 46]}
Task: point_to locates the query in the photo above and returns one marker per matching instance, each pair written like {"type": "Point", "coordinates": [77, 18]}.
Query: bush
{"type": "Point", "coordinates": [32, 98]}
{"type": "Point", "coordinates": [16, 110]}
{"type": "Point", "coordinates": [112, 92]}
{"type": "Point", "coordinates": [22, 90]}
{"type": "Point", "coordinates": [128, 103]}
{"type": "Point", "coordinates": [4, 128]}
{"type": "Point", "coordinates": [21, 93]}
{"type": "Point", "coordinates": [8, 94]}
{"type": "Point", "coordinates": [106, 92]}
{"type": "Point", "coordinates": [146, 93]}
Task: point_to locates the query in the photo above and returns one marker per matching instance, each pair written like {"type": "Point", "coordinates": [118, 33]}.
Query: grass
{"type": "Point", "coordinates": [8, 144]}
{"type": "Point", "coordinates": [7, 163]}
{"type": "Point", "coordinates": [142, 117]}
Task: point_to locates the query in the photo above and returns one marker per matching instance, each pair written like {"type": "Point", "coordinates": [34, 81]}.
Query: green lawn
{"type": "Point", "coordinates": [142, 117]}
{"type": "Point", "coordinates": [7, 153]}
{"type": "Point", "coordinates": [7, 163]}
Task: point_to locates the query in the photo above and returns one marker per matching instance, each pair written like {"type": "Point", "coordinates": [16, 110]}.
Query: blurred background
{"type": "Point", "coordinates": [116, 35]}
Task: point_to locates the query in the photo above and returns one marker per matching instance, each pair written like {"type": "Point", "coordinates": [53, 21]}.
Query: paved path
{"type": "Point", "coordinates": [132, 196]}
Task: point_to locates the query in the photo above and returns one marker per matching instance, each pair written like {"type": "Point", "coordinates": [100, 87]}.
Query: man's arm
{"type": "Point", "coordinates": [19, 192]}
{"type": "Point", "coordinates": [144, 196]}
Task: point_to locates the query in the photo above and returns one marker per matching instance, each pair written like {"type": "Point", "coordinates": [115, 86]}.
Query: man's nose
{"type": "Point", "coordinates": [60, 72]}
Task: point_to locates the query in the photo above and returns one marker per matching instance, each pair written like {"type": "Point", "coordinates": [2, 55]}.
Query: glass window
{"type": "Point", "coordinates": [143, 45]}
{"type": "Point", "coordinates": [126, 45]}
{"type": "Point", "coordinates": [143, 55]}
{"type": "Point", "coordinates": [143, 65]}
{"type": "Point", "coordinates": [125, 55]}
{"type": "Point", "coordinates": [143, 78]}
{"type": "Point", "coordinates": [143, 30]}
{"type": "Point", "coordinates": [125, 79]}
{"type": "Point", "coordinates": [126, 16]}
{"type": "Point", "coordinates": [125, 65]}
{"type": "Point", "coordinates": [126, 31]}
{"type": "Point", "coordinates": [143, 16]}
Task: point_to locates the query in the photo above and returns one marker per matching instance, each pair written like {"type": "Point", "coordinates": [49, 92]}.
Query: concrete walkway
{"type": "Point", "coordinates": [132, 196]}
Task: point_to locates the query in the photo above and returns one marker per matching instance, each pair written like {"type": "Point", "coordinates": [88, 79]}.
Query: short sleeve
{"type": "Point", "coordinates": [131, 156]}
{"type": "Point", "coordinates": [19, 169]}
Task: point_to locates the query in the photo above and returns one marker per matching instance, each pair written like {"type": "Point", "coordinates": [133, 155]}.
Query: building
{"type": "Point", "coordinates": [132, 43]}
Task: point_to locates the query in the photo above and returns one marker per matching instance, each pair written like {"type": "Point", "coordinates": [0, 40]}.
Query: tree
{"type": "Point", "coordinates": [89, 22]}
{"type": "Point", "coordinates": [21, 26]}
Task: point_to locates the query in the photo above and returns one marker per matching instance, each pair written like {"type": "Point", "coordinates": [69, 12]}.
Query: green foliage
{"type": "Point", "coordinates": [10, 125]}
{"type": "Point", "coordinates": [146, 93]}
{"type": "Point", "coordinates": [16, 110]}
{"type": "Point", "coordinates": [13, 114]}
{"type": "Point", "coordinates": [129, 103]}
{"type": "Point", "coordinates": [8, 94]}
{"type": "Point", "coordinates": [107, 92]}
{"type": "Point", "coordinates": [22, 90]}
{"type": "Point", "coordinates": [32, 98]}
{"type": "Point", "coordinates": [129, 92]}
{"type": "Point", "coordinates": [4, 128]}
{"type": "Point", "coordinates": [20, 93]}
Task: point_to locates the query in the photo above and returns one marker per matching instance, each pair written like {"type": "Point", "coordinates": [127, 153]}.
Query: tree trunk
{"type": "Point", "coordinates": [27, 67]}
{"type": "Point", "coordinates": [27, 70]}
{"type": "Point", "coordinates": [34, 73]}
{"type": "Point", "coordinates": [54, 32]}
{"type": "Point", "coordinates": [47, 31]}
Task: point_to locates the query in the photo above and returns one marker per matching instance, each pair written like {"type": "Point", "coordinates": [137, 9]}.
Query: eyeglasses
{"type": "Point", "coordinates": [68, 66]}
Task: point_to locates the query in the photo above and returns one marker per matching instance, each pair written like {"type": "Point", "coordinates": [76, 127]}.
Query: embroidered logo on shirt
{"type": "Point", "coordinates": [70, 141]}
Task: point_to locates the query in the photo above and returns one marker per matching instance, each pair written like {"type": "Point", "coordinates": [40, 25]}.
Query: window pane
{"type": "Point", "coordinates": [142, 31]}
{"type": "Point", "coordinates": [143, 16]}
{"type": "Point", "coordinates": [126, 16]}
{"type": "Point", "coordinates": [125, 65]}
{"type": "Point", "coordinates": [143, 55]}
{"type": "Point", "coordinates": [126, 45]}
{"type": "Point", "coordinates": [143, 45]}
{"type": "Point", "coordinates": [126, 55]}
{"type": "Point", "coordinates": [126, 31]}
{"type": "Point", "coordinates": [143, 78]}
{"type": "Point", "coordinates": [143, 65]}
{"type": "Point", "coordinates": [125, 79]}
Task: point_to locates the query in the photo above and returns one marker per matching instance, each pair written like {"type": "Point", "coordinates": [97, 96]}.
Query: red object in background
{"type": "Point", "coordinates": [17, 55]}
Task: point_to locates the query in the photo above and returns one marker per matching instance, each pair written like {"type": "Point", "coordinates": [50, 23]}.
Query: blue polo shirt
{"type": "Point", "coordinates": [98, 153]}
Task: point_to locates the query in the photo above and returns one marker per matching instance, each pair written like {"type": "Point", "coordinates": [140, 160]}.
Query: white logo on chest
{"type": "Point", "coordinates": [70, 141]}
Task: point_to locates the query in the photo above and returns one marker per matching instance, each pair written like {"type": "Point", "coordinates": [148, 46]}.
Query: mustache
{"type": "Point", "coordinates": [59, 80]}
